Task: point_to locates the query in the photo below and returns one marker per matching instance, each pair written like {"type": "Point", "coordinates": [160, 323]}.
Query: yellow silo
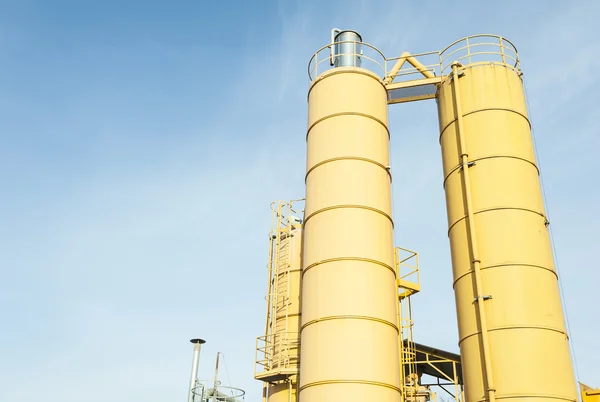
{"type": "Point", "coordinates": [512, 334]}
{"type": "Point", "coordinates": [349, 332]}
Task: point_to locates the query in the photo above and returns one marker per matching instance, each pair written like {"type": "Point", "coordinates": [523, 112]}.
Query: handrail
{"type": "Point", "coordinates": [313, 72]}
{"type": "Point", "coordinates": [478, 36]}
{"type": "Point", "coordinates": [408, 370]}
{"type": "Point", "coordinates": [409, 260]}
{"type": "Point", "coordinates": [469, 51]}
{"type": "Point", "coordinates": [472, 48]}
{"type": "Point", "coordinates": [273, 351]}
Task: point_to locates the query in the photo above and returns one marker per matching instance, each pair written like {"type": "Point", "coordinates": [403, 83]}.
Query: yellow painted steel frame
{"type": "Point", "coordinates": [408, 283]}
{"type": "Point", "coordinates": [407, 57]}
{"type": "Point", "coordinates": [426, 76]}
{"type": "Point", "coordinates": [588, 394]}
{"type": "Point", "coordinates": [433, 361]}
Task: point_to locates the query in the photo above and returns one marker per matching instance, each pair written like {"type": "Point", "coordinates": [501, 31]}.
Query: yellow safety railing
{"type": "Point", "coordinates": [407, 272]}
{"type": "Point", "coordinates": [408, 281]}
{"type": "Point", "coordinates": [277, 352]}
{"type": "Point", "coordinates": [408, 278]}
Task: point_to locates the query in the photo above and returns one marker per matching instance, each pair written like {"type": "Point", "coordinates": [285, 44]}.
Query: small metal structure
{"type": "Point", "coordinates": [222, 393]}
{"type": "Point", "coordinates": [346, 49]}
{"type": "Point", "coordinates": [202, 391]}
{"type": "Point", "coordinates": [588, 394]}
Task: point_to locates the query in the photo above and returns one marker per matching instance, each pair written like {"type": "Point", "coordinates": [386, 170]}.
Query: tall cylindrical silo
{"type": "Point", "coordinates": [349, 333]}
{"type": "Point", "coordinates": [512, 333]}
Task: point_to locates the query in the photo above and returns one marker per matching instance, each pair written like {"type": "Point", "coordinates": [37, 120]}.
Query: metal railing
{"type": "Point", "coordinates": [407, 265]}
{"type": "Point", "coordinates": [471, 50]}
{"type": "Point", "coordinates": [365, 56]}
{"type": "Point", "coordinates": [413, 390]}
{"type": "Point", "coordinates": [450, 380]}
{"type": "Point", "coordinates": [277, 352]}
{"type": "Point", "coordinates": [480, 49]}
{"type": "Point", "coordinates": [205, 391]}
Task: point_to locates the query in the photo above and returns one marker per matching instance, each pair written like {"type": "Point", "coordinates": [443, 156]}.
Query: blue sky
{"type": "Point", "coordinates": [142, 142]}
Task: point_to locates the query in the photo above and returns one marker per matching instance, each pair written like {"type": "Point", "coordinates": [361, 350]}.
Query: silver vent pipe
{"type": "Point", "coordinates": [346, 48]}
{"type": "Point", "coordinates": [196, 360]}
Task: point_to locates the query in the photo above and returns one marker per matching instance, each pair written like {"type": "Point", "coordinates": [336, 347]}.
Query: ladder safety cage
{"type": "Point", "coordinates": [276, 352]}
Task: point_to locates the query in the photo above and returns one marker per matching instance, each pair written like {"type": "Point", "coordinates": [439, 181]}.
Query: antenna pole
{"type": "Point", "coordinates": [215, 385]}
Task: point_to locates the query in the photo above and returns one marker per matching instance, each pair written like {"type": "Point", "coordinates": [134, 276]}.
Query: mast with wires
{"type": "Point", "coordinates": [202, 391]}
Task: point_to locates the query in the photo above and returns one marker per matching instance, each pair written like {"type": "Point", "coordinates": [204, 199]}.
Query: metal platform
{"type": "Point", "coordinates": [276, 375]}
